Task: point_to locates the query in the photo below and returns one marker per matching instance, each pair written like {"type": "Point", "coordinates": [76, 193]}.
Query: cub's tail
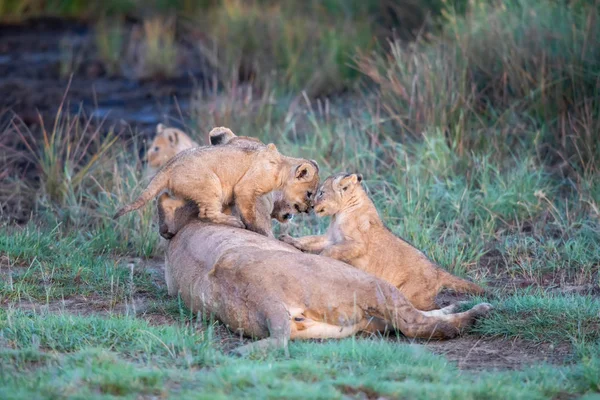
{"type": "Point", "coordinates": [460, 285]}
{"type": "Point", "coordinates": [158, 183]}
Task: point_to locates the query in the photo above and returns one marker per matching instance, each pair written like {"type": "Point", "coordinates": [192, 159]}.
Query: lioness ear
{"type": "Point", "coordinates": [160, 128]}
{"type": "Point", "coordinates": [305, 171]}
{"type": "Point", "coordinates": [174, 137]}
{"type": "Point", "coordinates": [359, 177]}
{"type": "Point", "coordinates": [271, 147]}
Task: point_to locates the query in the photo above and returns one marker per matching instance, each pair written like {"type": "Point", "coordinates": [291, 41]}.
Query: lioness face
{"type": "Point", "coordinates": [163, 147]}
{"type": "Point", "coordinates": [300, 189]}
{"type": "Point", "coordinates": [334, 192]}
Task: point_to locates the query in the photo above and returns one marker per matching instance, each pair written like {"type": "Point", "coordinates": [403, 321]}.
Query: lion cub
{"type": "Point", "coordinates": [167, 143]}
{"type": "Point", "coordinates": [357, 236]}
{"type": "Point", "coordinates": [270, 206]}
{"type": "Point", "coordinates": [214, 177]}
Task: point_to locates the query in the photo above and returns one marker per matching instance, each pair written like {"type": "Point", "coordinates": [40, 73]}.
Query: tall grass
{"type": "Point", "coordinates": [507, 74]}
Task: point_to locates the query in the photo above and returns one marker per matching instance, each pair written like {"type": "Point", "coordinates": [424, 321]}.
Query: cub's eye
{"type": "Point", "coordinates": [309, 194]}
{"type": "Point", "coordinates": [156, 148]}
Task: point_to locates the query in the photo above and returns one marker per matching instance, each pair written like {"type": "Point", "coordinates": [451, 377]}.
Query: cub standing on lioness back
{"type": "Point", "coordinates": [270, 206]}
{"type": "Point", "coordinates": [216, 176]}
{"type": "Point", "coordinates": [358, 237]}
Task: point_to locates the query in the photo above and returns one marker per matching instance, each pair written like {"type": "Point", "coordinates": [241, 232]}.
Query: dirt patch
{"type": "Point", "coordinates": [95, 305]}
{"type": "Point", "coordinates": [478, 354]}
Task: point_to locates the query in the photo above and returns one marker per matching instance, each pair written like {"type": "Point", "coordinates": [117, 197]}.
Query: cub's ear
{"type": "Point", "coordinates": [305, 171]}
{"type": "Point", "coordinates": [271, 147]}
{"type": "Point", "coordinates": [160, 128]}
{"type": "Point", "coordinates": [173, 137]}
{"type": "Point", "coordinates": [315, 164]}
{"type": "Point", "coordinates": [349, 180]}
{"type": "Point", "coordinates": [220, 135]}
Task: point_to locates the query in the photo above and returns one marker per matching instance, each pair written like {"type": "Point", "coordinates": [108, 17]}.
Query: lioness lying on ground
{"type": "Point", "coordinates": [214, 176]}
{"type": "Point", "coordinates": [358, 237]}
{"type": "Point", "coordinates": [269, 290]}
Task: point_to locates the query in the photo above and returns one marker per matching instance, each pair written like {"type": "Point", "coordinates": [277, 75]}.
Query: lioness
{"type": "Point", "coordinates": [214, 176]}
{"type": "Point", "coordinates": [264, 288]}
{"type": "Point", "coordinates": [358, 237]}
{"type": "Point", "coordinates": [167, 143]}
{"type": "Point", "coordinates": [270, 206]}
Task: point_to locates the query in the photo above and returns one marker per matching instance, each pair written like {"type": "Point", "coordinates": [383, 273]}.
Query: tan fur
{"type": "Point", "coordinates": [167, 143]}
{"type": "Point", "coordinates": [214, 176]}
{"type": "Point", "coordinates": [268, 290]}
{"type": "Point", "coordinates": [358, 237]}
{"type": "Point", "coordinates": [270, 206]}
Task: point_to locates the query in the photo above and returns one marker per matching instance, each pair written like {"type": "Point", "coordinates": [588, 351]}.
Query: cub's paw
{"type": "Point", "coordinates": [234, 222]}
{"type": "Point", "coordinates": [288, 239]}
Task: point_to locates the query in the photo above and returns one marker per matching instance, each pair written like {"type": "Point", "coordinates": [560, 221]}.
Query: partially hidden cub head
{"type": "Point", "coordinates": [334, 193]}
{"type": "Point", "coordinates": [174, 214]}
{"type": "Point", "coordinates": [302, 184]}
{"type": "Point", "coordinates": [166, 144]}
{"type": "Point", "coordinates": [282, 210]}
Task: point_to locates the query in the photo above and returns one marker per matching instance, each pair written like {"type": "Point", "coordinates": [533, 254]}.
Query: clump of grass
{"type": "Point", "coordinates": [152, 49]}
{"type": "Point", "coordinates": [284, 42]}
{"type": "Point", "coordinates": [543, 317]}
{"type": "Point", "coordinates": [505, 75]}
{"type": "Point", "coordinates": [66, 154]}
{"type": "Point", "coordinates": [110, 42]}
{"type": "Point", "coordinates": [49, 264]}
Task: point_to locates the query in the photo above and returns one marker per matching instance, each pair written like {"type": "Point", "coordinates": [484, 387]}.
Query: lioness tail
{"type": "Point", "coordinates": [461, 285]}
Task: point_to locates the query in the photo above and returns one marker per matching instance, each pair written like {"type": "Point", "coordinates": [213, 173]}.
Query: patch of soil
{"type": "Point", "coordinates": [477, 354]}
{"type": "Point", "coordinates": [360, 392]}
{"type": "Point", "coordinates": [94, 305]}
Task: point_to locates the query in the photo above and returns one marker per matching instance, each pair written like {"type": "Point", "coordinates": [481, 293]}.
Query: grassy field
{"type": "Point", "coordinates": [479, 142]}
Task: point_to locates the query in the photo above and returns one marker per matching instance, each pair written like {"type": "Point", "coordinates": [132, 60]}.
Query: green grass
{"type": "Point", "coordinates": [82, 356]}
{"type": "Point", "coordinates": [49, 265]}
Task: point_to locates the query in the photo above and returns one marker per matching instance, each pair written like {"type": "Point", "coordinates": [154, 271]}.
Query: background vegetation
{"type": "Point", "coordinates": [475, 124]}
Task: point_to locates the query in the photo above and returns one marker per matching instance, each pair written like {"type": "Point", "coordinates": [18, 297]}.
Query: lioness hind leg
{"type": "Point", "coordinates": [418, 324]}
{"type": "Point", "coordinates": [446, 310]}
{"type": "Point", "coordinates": [278, 322]}
{"type": "Point", "coordinates": [467, 318]}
